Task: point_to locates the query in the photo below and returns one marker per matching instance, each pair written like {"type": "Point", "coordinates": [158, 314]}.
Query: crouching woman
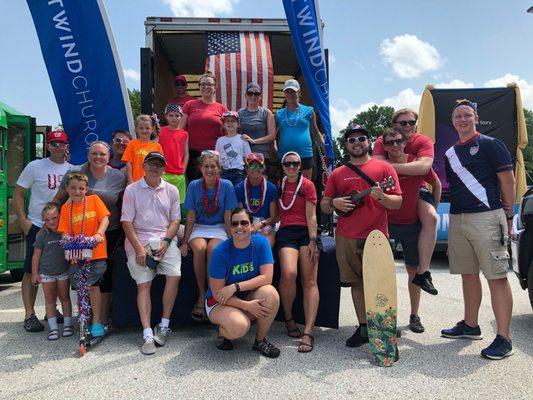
{"type": "Point", "coordinates": [240, 286]}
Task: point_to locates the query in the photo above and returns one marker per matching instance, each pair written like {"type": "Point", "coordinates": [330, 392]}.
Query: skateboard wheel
{"type": "Point", "coordinates": [83, 350]}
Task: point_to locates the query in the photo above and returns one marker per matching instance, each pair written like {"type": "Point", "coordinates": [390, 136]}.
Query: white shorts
{"type": "Point", "coordinates": [54, 278]}
{"type": "Point", "coordinates": [169, 265]}
{"type": "Point", "coordinates": [217, 231]}
{"type": "Point", "coordinates": [208, 308]}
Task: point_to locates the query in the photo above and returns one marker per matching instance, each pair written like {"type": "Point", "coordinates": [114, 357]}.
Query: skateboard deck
{"type": "Point", "coordinates": [379, 280]}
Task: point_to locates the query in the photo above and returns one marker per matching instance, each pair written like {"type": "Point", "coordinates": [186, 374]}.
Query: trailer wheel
{"type": "Point", "coordinates": [16, 274]}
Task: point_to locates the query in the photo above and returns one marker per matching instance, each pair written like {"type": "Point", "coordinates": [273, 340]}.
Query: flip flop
{"type": "Point", "coordinates": [303, 345]}
{"type": "Point", "coordinates": [295, 332]}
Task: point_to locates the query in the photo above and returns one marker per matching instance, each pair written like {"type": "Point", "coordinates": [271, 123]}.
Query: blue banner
{"type": "Point", "coordinates": [84, 69]}
{"type": "Point", "coordinates": [306, 32]}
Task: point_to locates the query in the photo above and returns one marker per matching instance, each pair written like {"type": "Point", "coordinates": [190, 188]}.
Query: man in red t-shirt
{"type": "Point", "coordinates": [181, 91]}
{"type": "Point", "coordinates": [421, 147]}
{"type": "Point", "coordinates": [404, 225]}
{"type": "Point", "coordinates": [354, 227]}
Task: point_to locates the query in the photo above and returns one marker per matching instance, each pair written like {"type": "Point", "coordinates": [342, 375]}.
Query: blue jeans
{"type": "Point", "coordinates": [234, 175]}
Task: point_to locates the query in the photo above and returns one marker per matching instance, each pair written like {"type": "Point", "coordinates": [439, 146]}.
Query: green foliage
{"type": "Point", "coordinates": [376, 119]}
{"type": "Point", "coordinates": [135, 101]}
{"type": "Point", "coordinates": [528, 151]}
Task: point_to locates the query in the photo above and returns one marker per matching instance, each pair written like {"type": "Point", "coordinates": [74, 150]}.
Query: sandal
{"type": "Point", "coordinates": [302, 346]}
{"type": "Point", "coordinates": [53, 334]}
{"type": "Point", "coordinates": [295, 332]}
{"type": "Point", "coordinates": [198, 313]}
{"type": "Point", "coordinates": [68, 330]}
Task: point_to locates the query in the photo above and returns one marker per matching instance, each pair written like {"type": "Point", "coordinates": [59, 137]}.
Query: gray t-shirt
{"type": "Point", "coordinates": [52, 261]}
{"type": "Point", "coordinates": [254, 124]}
{"type": "Point", "coordinates": [109, 188]}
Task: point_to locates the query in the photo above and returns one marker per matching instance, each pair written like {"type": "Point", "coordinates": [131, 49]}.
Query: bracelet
{"type": "Point", "coordinates": [331, 204]}
{"type": "Point", "coordinates": [510, 218]}
{"type": "Point", "coordinates": [168, 240]}
{"type": "Point", "coordinates": [237, 287]}
{"type": "Point", "coordinates": [313, 239]}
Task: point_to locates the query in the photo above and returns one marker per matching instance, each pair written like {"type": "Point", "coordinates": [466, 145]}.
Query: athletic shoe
{"type": "Point", "coordinates": [97, 330]}
{"type": "Point", "coordinates": [161, 335]}
{"type": "Point", "coordinates": [425, 282]}
{"type": "Point", "coordinates": [498, 349]}
{"type": "Point", "coordinates": [359, 337]}
{"type": "Point", "coordinates": [32, 324]}
{"type": "Point", "coordinates": [415, 324]}
{"type": "Point", "coordinates": [224, 344]}
{"type": "Point", "coordinates": [266, 348]}
{"type": "Point", "coordinates": [462, 330]}
{"type": "Point", "coordinates": [148, 346]}
{"type": "Point", "coordinates": [59, 317]}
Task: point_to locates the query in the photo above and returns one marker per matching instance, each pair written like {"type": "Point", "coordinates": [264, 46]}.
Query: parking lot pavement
{"type": "Point", "coordinates": [190, 366]}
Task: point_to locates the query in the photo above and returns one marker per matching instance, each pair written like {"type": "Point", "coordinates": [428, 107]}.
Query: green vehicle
{"type": "Point", "coordinates": [20, 142]}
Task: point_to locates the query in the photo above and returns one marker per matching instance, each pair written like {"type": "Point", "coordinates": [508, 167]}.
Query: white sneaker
{"type": "Point", "coordinates": [161, 335]}
{"type": "Point", "coordinates": [148, 346]}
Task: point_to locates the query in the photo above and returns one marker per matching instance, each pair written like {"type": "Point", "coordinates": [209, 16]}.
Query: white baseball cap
{"type": "Point", "coordinates": [292, 84]}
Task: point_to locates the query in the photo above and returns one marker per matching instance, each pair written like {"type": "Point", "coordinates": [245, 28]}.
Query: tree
{"type": "Point", "coordinates": [528, 151]}
{"type": "Point", "coordinates": [135, 101]}
{"type": "Point", "coordinates": [376, 119]}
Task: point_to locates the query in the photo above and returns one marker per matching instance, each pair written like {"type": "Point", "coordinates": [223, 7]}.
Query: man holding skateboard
{"type": "Point", "coordinates": [404, 224]}
{"type": "Point", "coordinates": [359, 216]}
{"type": "Point", "coordinates": [479, 170]}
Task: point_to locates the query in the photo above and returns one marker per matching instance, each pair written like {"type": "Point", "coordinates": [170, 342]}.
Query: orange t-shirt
{"type": "Point", "coordinates": [94, 212]}
{"type": "Point", "coordinates": [135, 152]}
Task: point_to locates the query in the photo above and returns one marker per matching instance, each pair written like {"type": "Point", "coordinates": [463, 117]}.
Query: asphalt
{"type": "Point", "coordinates": [190, 367]}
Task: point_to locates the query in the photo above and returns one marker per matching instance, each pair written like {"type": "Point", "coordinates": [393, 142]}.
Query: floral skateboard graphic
{"type": "Point", "coordinates": [379, 279]}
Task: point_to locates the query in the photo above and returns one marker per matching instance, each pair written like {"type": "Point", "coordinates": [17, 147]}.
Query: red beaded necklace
{"type": "Point", "coordinates": [213, 207]}
{"type": "Point", "coordinates": [248, 195]}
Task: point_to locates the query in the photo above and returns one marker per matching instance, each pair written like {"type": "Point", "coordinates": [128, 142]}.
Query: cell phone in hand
{"type": "Point", "coordinates": [151, 262]}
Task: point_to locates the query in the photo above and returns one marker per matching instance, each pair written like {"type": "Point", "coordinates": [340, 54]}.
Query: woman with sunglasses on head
{"type": "Point", "coordinates": [119, 142]}
{"type": "Point", "coordinates": [298, 243]}
{"type": "Point", "coordinates": [109, 184]}
{"type": "Point", "coordinates": [257, 124]}
{"type": "Point", "coordinates": [240, 286]}
{"type": "Point", "coordinates": [418, 145]}
{"type": "Point", "coordinates": [209, 202]}
{"type": "Point", "coordinates": [297, 128]}
{"type": "Point", "coordinates": [259, 197]}
{"type": "Point", "coordinates": [202, 119]}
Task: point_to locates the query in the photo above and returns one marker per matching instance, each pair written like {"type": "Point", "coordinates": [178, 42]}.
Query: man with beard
{"type": "Point", "coordinates": [355, 223]}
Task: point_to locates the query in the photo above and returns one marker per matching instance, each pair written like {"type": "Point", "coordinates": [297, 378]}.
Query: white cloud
{"type": "Point", "coordinates": [200, 8]}
{"type": "Point", "coordinates": [410, 56]}
{"type": "Point", "coordinates": [526, 88]}
{"type": "Point", "coordinates": [454, 84]}
{"type": "Point", "coordinates": [342, 112]}
{"type": "Point", "coordinates": [132, 74]}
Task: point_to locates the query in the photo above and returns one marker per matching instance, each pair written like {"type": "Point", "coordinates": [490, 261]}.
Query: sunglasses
{"type": "Point", "coordinates": [255, 165]}
{"type": "Point", "coordinates": [359, 139]}
{"type": "Point", "coordinates": [118, 140]}
{"type": "Point", "coordinates": [255, 94]}
{"type": "Point", "coordinates": [405, 123]}
{"type": "Point", "coordinates": [58, 145]}
{"type": "Point", "coordinates": [291, 164]}
{"type": "Point", "coordinates": [243, 223]}
{"type": "Point", "coordinates": [181, 84]}
{"type": "Point", "coordinates": [393, 142]}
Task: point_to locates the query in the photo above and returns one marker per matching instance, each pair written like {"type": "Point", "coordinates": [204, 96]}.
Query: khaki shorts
{"type": "Point", "coordinates": [169, 265]}
{"type": "Point", "coordinates": [475, 243]}
{"type": "Point", "coordinates": [350, 258]}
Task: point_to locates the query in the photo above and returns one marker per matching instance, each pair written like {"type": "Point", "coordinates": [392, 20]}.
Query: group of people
{"type": "Point", "coordinates": [209, 166]}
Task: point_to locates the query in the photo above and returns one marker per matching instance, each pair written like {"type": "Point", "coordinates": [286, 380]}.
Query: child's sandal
{"type": "Point", "coordinates": [68, 330]}
{"type": "Point", "coordinates": [53, 334]}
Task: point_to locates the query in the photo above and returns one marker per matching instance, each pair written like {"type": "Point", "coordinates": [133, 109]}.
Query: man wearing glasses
{"type": "Point", "coordinates": [357, 220]}
{"type": "Point", "coordinates": [42, 177]}
{"type": "Point", "coordinates": [181, 91]}
{"type": "Point", "coordinates": [151, 218]}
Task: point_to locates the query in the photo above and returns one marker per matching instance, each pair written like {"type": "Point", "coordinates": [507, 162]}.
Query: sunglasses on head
{"type": "Point", "coordinates": [256, 94]}
{"type": "Point", "coordinates": [393, 142]}
{"type": "Point", "coordinates": [118, 140]}
{"type": "Point", "coordinates": [405, 123]}
{"type": "Point", "coordinates": [293, 164]}
{"type": "Point", "coordinates": [242, 222]}
{"type": "Point", "coordinates": [359, 139]}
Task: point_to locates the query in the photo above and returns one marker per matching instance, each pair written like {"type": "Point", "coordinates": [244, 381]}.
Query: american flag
{"type": "Point", "coordinates": [236, 59]}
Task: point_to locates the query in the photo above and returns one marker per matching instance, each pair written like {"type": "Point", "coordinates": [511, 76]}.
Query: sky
{"type": "Point", "coordinates": [381, 52]}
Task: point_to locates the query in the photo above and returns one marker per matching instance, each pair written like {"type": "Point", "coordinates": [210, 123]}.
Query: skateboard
{"type": "Point", "coordinates": [379, 280]}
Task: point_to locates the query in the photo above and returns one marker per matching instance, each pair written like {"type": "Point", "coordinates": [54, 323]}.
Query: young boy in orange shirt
{"type": "Point", "coordinates": [88, 216]}
{"type": "Point", "coordinates": [138, 148]}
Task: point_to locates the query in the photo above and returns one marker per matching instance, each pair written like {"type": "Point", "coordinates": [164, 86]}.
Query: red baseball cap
{"type": "Point", "coordinates": [255, 157]}
{"type": "Point", "coordinates": [180, 78]}
{"type": "Point", "coordinates": [56, 136]}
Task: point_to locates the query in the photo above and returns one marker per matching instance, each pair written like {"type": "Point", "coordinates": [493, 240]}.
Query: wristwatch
{"type": "Point", "coordinates": [331, 204]}
{"type": "Point", "coordinates": [237, 287]}
{"type": "Point", "coordinates": [313, 239]}
{"type": "Point", "coordinates": [168, 240]}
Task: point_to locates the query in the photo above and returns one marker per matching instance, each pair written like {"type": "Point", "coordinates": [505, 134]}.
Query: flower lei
{"type": "Point", "coordinates": [283, 182]}
{"type": "Point", "coordinates": [247, 195]}
{"type": "Point", "coordinates": [210, 209]}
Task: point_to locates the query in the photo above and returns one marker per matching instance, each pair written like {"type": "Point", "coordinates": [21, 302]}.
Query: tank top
{"type": "Point", "coordinates": [254, 124]}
